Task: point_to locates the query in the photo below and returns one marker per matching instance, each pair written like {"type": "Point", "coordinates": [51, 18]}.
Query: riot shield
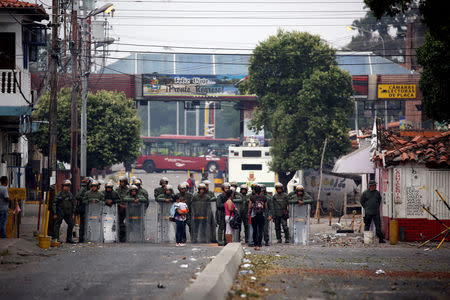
{"type": "Point", "coordinates": [94, 214]}
{"type": "Point", "coordinates": [134, 222]}
{"type": "Point", "coordinates": [202, 222]}
{"type": "Point", "coordinates": [110, 223]}
{"type": "Point", "coordinates": [151, 222]}
{"type": "Point", "coordinates": [299, 223]}
{"type": "Point", "coordinates": [250, 232]}
{"type": "Point", "coordinates": [166, 228]}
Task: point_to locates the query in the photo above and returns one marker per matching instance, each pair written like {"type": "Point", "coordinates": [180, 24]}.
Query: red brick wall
{"type": "Point", "coordinates": [415, 227]}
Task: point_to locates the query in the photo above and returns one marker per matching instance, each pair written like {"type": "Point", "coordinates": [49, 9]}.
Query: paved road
{"type": "Point", "coordinates": [115, 271]}
{"type": "Point", "coordinates": [306, 272]}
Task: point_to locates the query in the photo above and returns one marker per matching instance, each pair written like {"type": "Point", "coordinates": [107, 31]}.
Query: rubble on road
{"type": "Point", "coordinates": [338, 239]}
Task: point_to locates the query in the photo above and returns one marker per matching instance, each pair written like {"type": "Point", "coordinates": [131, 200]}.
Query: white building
{"type": "Point", "coordinates": [20, 36]}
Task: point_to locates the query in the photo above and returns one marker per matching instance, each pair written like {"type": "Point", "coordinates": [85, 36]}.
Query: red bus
{"type": "Point", "coordinates": [180, 152]}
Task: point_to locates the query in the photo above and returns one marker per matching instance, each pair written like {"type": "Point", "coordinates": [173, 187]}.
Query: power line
{"type": "Point", "coordinates": [227, 25]}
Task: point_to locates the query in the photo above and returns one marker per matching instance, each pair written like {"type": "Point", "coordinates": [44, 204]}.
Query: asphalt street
{"type": "Point", "coordinates": [109, 271]}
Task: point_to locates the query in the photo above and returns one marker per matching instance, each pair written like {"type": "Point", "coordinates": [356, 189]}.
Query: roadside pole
{"type": "Point", "coordinates": [74, 106]}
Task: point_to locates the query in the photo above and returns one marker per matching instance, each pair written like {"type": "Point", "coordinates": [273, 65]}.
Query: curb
{"type": "Point", "coordinates": [216, 279]}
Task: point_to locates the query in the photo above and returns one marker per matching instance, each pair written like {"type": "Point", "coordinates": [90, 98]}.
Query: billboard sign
{"type": "Point", "coordinates": [189, 85]}
{"type": "Point", "coordinates": [396, 91]}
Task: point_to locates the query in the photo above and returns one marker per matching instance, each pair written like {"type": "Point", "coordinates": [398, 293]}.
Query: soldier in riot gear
{"type": "Point", "coordinates": [243, 210]}
{"type": "Point", "coordinates": [111, 196]}
{"type": "Point", "coordinates": [300, 196]}
{"type": "Point", "coordinates": [81, 209]}
{"type": "Point", "coordinates": [202, 222]}
{"type": "Point", "coordinates": [163, 182]}
{"type": "Point", "coordinates": [122, 191]}
{"type": "Point", "coordinates": [134, 196]}
{"type": "Point", "coordinates": [280, 212]}
{"type": "Point", "coordinates": [210, 193]}
{"type": "Point", "coordinates": [141, 191]}
{"type": "Point", "coordinates": [64, 209]}
{"type": "Point", "coordinates": [267, 215]}
{"type": "Point", "coordinates": [167, 196]}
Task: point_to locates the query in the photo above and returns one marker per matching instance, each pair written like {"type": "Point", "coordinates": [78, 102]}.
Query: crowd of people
{"type": "Point", "coordinates": [237, 208]}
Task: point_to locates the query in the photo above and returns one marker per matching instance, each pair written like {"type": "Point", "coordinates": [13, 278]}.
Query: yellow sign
{"type": "Point", "coordinates": [396, 91]}
{"type": "Point", "coordinates": [17, 193]}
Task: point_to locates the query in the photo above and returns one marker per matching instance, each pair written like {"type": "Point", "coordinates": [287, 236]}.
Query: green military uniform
{"type": "Point", "coordinates": [112, 195]}
{"type": "Point", "coordinates": [64, 207]}
{"type": "Point", "coordinates": [143, 193]}
{"type": "Point", "coordinates": [201, 214]}
{"type": "Point", "coordinates": [93, 197]}
{"type": "Point", "coordinates": [130, 198]}
{"type": "Point", "coordinates": [81, 210]}
{"type": "Point", "coordinates": [122, 192]}
{"type": "Point", "coordinates": [280, 206]}
{"type": "Point", "coordinates": [158, 191]}
{"type": "Point", "coordinates": [370, 201]}
{"type": "Point", "coordinates": [163, 197]}
{"type": "Point", "coordinates": [306, 198]}
{"type": "Point", "coordinates": [220, 218]}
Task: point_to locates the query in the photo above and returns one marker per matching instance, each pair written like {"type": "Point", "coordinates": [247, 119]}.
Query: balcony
{"type": "Point", "coordinates": [12, 83]}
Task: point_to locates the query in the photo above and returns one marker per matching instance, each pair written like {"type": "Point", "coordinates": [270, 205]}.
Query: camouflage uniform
{"type": "Point", "coordinates": [158, 191]}
{"type": "Point", "coordinates": [122, 192]}
{"type": "Point", "coordinates": [81, 210]}
{"type": "Point", "coordinates": [280, 205]}
{"type": "Point", "coordinates": [241, 203]}
{"type": "Point", "coordinates": [64, 208]}
{"type": "Point", "coordinates": [267, 213]}
{"type": "Point", "coordinates": [188, 199]}
{"type": "Point", "coordinates": [306, 198]}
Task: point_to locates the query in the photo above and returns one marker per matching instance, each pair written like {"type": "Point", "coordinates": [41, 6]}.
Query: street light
{"type": "Point", "coordinates": [107, 8]}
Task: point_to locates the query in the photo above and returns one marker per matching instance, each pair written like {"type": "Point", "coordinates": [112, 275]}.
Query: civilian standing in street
{"type": "Point", "coordinates": [230, 208]}
{"type": "Point", "coordinates": [257, 207]}
{"type": "Point", "coordinates": [179, 212]}
{"type": "Point", "coordinates": [4, 205]}
{"type": "Point", "coordinates": [370, 201]}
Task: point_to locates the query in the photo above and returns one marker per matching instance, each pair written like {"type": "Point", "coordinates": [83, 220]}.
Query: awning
{"type": "Point", "coordinates": [357, 162]}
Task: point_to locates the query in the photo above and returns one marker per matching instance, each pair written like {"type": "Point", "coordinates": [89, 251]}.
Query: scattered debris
{"type": "Point", "coordinates": [253, 278]}
{"type": "Point", "coordinates": [243, 296]}
{"type": "Point", "coordinates": [246, 261]}
{"type": "Point", "coordinates": [174, 261]}
{"type": "Point", "coordinates": [248, 253]}
{"type": "Point", "coordinates": [245, 272]}
{"type": "Point", "coordinates": [184, 266]}
{"type": "Point", "coordinates": [195, 249]}
{"type": "Point", "coordinates": [160, 286]}
{"type": "Point", "coordinates": [246, 266]}
{"type": "Point", "coordinates": [192, 259]}
{"type": "Point", "coordinates": [380, 272]}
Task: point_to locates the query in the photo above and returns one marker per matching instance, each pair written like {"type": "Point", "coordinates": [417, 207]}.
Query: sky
{"type": "Point", "coordinates": [236, 24]}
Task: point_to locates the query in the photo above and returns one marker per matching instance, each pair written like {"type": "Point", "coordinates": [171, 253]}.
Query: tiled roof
{"type": "Point", "coordinates": [15, 4]}
{"type": "Point", "coordinates": [433, 151]}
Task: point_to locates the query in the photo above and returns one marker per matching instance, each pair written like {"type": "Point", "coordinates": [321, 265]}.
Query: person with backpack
{"type": "Point", "coordinates": [257, 207]}
{"type": "Point", "coordinates": [179, 212]}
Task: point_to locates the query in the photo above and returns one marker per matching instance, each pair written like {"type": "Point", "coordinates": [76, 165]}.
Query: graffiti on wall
{"type": "Point", "coordinates": [413, 202]}
{"type": "Point", "coordinates": [397, 187]}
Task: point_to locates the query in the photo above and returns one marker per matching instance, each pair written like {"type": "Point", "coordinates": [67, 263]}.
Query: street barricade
{"type": "Point", "coordinates": [134, 222]}
{"type": "Point", "coordinates": [166, 228]}
{"type": "Point", "coordinates": [110, 223]}
{"type": "Point", "coordinates": [299, 223]}
{"type": "Point", "coordinates": [94, 228]}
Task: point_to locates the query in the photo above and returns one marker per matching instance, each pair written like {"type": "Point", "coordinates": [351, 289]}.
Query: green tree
{"type": "Point", "coordinates": [112, 132]}
{"type": "Point", "coordinates": [432, 56]}
{"type": "Point", "coordinates": [434, 83]}
{"type": "Point", "coordinates": [303, 98]}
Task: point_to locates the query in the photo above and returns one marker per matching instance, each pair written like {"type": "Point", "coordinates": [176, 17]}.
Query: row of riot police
{"type": "Point", "coordinates": [123, 210]}
{"type": "Point", "coordinates": [96, 207]}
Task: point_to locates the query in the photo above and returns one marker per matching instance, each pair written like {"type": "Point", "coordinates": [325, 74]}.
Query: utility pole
{"type": "Point", "coordinates": [85, 54]}
{"type": "Point", "coordinates": [53, 113]}
{"type": "Point", "coordinates": [74, 107]}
